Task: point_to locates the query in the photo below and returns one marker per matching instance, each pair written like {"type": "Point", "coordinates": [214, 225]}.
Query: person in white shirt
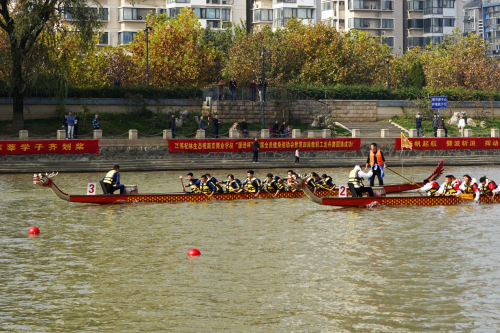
{"type": "Point", "coordinates": [429, 187]}
{"type": "Point", "coordinates": [469, 186]}
{"type": "Point", "coordinates": [356, 177]}
{"type": "Point", "coordinates": [461, 125]}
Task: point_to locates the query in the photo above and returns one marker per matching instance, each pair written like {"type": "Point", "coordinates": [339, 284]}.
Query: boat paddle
{"type": "Point", "coordinates": [403, 178]}
{"type": "Point", "coordinates": [183, 188]}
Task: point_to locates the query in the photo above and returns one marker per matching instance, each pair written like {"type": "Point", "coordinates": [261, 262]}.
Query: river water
{"type": "Point", "coordinates": [286, 265]}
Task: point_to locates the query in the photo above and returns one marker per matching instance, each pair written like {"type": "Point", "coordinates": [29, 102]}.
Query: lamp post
{"type": "Point", "coordinates": [387, 84]}
{"type": "Point", "coordinates": [146, 30]}
{"type": "Point", "coordinates": [263, 89]}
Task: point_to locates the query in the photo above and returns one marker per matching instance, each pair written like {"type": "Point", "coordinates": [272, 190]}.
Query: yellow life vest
{"type": "Point", "coordinates": [108, 179]}
{"type": "Point", "coordinates": [250, 187]}
{"type": "Point", "coordinates": [468, 189]}
{"type": "Point", "coordinates": [355, 179]}
{"type": "Point", "coordinates": [449, 189]}
{"type": "Point", "coordinates": [268, 185]}
{"type": "Point", "coordinates": [230, 188]}
{"type": "Point", "coordinates": [204, 188]}
{"type": "Point", "coordinates": [194, 188]}
{"type": "Point", "coordinates": [485, 188]}
{"type": "Point", "coordinates": [434, 189]}
{"type": "Point", "coordinates": [324, 183]}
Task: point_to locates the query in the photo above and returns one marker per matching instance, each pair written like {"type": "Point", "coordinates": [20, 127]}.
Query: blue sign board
{"type": "Point", "coordinates": [439, 102]}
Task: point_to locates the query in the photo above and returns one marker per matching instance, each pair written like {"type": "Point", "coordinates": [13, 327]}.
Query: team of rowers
{"type": "Point", "coordinates": [209, 185]}
{"type": "Point", "coordinates": [453, 186]}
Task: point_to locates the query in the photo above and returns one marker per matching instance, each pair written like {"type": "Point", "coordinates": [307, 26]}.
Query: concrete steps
{"type": "Point", "coordinates": [373, 129]}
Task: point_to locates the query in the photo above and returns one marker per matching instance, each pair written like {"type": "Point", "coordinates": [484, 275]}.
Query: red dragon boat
{"type": "Point", "coordinates": [47, 181]}
{"type": "Point", "coordinates": [397, 200]}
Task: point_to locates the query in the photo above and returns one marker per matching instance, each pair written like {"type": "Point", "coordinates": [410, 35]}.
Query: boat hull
{"type": "Point", "coordinates": [189, 197]}
{"type": "Point", "coordinates": [402, 201]}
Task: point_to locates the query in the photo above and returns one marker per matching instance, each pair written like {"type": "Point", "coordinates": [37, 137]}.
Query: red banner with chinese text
{"type": "Point", "coordinates": [31, 147]}
{"type": "Point", "coordinates": [450, 143]}
{"type": "Point", "coordinates": [246, 145]}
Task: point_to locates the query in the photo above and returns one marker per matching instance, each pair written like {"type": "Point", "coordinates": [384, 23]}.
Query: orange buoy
{"type": "Point", "coordinates": [193, 252]}
{"type": "Point", "coordinates": [34, 231]}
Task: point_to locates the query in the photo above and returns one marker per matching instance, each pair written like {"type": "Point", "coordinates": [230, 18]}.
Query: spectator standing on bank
{"type": "Point", "coordinates": [435, 125]}
{"type": "Point", "coordinates": [461, 126]}
{"type": "Point", "coordinates": [377, 162]}
{"type": "Point", "coordinates": [202, 126]}
{"type": "Point", "coordinates": [96, 124]}
{"type": "Point", "coordinates": [296, 155]}
{"type": "Point", "coordinates": [442, 125]}
{"type": "Point", "coordinates": [244, 128]}
{"type": "Point", "coordinates": [259, 86]}
{"type": "Point", "coordinates": [71, 125]}
{"type": "Point", "coordinates": [253, 90]}
{"type": "Point", "coordinates": [283, 129]}
{"type": "Point", "coordinates": [65, 124]}
{"type": "Point", "coordinates": [418, 123]}
{"type": "Point", "coordinates": [221, 89]}
{"type": "Point", "coordinates": [171, 124]}
{"type": "Point", "coordinates": [232, 88]}
{"type": "Point", "coordinates": [276, 129]}
{"type": "Point", "coordinates": [216, 127]}
{"type": "Point", "coordinates": [256, 147]}
{"type": "Point", "coordinates": [75, 134]}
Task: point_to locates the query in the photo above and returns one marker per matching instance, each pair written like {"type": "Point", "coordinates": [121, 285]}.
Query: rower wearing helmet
{"type": "Point", "coordinates": [430, 187]}
{"type": "Point", "coordinates": [469, 186]}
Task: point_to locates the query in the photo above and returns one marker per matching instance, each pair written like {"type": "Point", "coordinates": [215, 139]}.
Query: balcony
{"type": "Point", "coordinates": [134, 14]}
{"type": "Point", "coordinates": [367, 5]}
{"type": "Point", "coordinates": [415, 6]}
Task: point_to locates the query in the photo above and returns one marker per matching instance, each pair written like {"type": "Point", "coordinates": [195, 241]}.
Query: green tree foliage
{"type": "Point", "coordinates": [416, 76]}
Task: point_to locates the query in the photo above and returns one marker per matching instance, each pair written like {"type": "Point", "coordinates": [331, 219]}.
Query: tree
{"type": "Point", "coordinates": [24, 22]}
{"type": "Point", "coordinates": [416, 76]}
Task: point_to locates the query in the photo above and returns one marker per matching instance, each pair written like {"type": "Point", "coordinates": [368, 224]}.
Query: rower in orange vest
{"type": "Point", "coordinates": [377, 162]}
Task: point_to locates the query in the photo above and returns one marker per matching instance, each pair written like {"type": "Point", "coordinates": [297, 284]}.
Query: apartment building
{"type": "Point", "coordinates": [473, 17]}
{"type": "Point", "coordinates": [121, 20]}
{"type": "Point", "coordinates": [491, 24]}
{"type": "Point", "coordinates": [428, 21]}
{"type": "Point", "coordinates": [275, 13]}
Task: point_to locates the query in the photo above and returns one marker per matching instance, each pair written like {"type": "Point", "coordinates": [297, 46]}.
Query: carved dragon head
{"type": "Point", "coordinates": [43, 180]}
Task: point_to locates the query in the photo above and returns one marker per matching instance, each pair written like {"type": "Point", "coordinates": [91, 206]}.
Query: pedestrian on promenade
{"type": "Point", "coordinates": [96, 123]}
{"type": "Point", "coordinates": [435, 125]}
{"type": "Point", "coordinates": [296, 155]}
{"type": "Point", "coordinates": [418, 123]}
{"type": "Point", "coordinates": [253, 90]}
{"type": "Point", "coordinates": [256, 147]}
{"type": "Point", "coordinates": [276, 129]}
{"type": "Point", "coordinates": [461, 126]}
{"type": "Point", "coordinates": [65, 124]}
{"type": "Point", "coordinates": [232, 88]}
{"type": "Point", "coordinates": [71, 125]}
{"type": "Point", "coordinates": [75, 134]}
{"type": "Point", "coordinates": [442, 125]}
{"type": "Point", "coordinates": [216, 127]}
{"type": "Point", "coordinates": [377, 162]}
{"type": "Point", "coordinates": [171, 124]}
{"type": "Point", "coordinates": [221, 89]}
{"type": "Point", "coordinates": [259, 86]}
{"type": "Point", "coordinates": [244, 128]}
{"type": "Point", "coordinates": [202, 126]}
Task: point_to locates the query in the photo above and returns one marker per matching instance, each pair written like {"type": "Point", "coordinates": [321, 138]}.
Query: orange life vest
{"type": "Point", "coordinates": [379, 158]}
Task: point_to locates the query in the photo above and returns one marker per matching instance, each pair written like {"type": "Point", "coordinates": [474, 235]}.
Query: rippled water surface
{"type": "Point", "coordinates": [286, 265]}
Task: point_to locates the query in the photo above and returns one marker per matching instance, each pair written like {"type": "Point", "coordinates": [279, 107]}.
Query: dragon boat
{"type": "Point", "coordinates": [47, 181]}
{"type": "Point", "coordinates": [397, 200]}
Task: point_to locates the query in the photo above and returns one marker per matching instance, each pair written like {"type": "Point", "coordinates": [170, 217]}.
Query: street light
{"type": "Point", "coordinates": [387, 84]}
{"type": "Point", "coordinates": [146, 30]}
{"type": "Point", "coordinates": [263, 90]}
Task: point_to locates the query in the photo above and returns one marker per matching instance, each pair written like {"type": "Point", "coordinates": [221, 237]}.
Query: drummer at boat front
{"type": "Point", "coordinates": [430, 187]}
{"type": "Point", "coordinates": [232, 185]}
{"type": "Point", "coordinates": [356, 177]}
{"type": "Point", "coordinates": [206, 187]}
{"type": "Point", "coordinates": [450, 186]}
{"type": "Point", "coordinates": [253, 184]}
{"type": "Point", "coordinates": [192, 183]}
{"type": "Point", "coordinates": [112, 181]}
{"type": "Point", "coordinates": [377, 161]}
{"type": "Point", "coordinates": [214, 181]}
{"type": "Point", "coordinates": [469, 186]}
{"type": "Point", "coordinates": [326, 183]}
{"type": "Point", "coordinates": [270, 185]}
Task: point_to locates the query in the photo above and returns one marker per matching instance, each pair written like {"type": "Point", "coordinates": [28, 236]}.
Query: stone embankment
{"type": "Point", "coordinates": [153, 155]}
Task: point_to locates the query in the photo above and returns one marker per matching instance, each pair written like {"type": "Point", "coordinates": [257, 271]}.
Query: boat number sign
{"type": "Point", "coordinates": [342, 191]}
{"type": "Point", "coordinates": [91, 188]}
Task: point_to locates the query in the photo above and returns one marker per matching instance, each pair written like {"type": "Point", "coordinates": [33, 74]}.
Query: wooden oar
{"type": "Point", "coordinates": [183, 188]}
{"type": "Point", "coordinates": [403, 178]}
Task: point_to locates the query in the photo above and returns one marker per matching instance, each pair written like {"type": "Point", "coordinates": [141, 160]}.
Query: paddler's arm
{"type": "Point", "coordinates": [441, 190]}
{"type": "Point", "coordinates": [117, 178]}
{"type": "Point", "coordinates": [259, 187]}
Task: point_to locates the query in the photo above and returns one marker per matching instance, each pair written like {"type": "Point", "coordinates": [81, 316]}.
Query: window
{"type": "Point", "coordinates": [161, 11]}
{"type": "Point", "coordinates": [448, 3]}
{"type": "Point", "coordinates": [104, 14]}
{"type": "Point", "coordinates": [358, 23]}
{"type": "Point", "coordinates": [207, 13]}
{"type": "Point", "coordinates": [326, 6]}
{"type": "Point", "coordinates": [387, 5]}
{"type": "Point", "coordinates": [434, 40]}
{"type": "Point", "coordinates": [104, 38]}
{"type": "Point", "coordinates": [415, 24]}
{"type": "Point", "coordinates": [448, 22]}
{"type": "Point", "coordinates": [213, 2]}
{"type": "Point", "coordinates": [433, 7]}
{"type": "Point", "coordinates": [126, 37]}
{"type": "Point", "coordinates": [173, 12]}
{"type": "Point", "coordinates": [415, 41]}
{"type": "Point", "coordinates": [263, 15]}
{"type": "Point", "coordinates": [389, 41]}
{"type": "Point", "coordinates": [213, 24]}
{"type": "Point", "coordinates": [387, 24]}
{"type": "Point", "coordinates": [134, 14]}
{"type": "Point", "coordinates": [434, 25]}
{"type": "Point", "coordinates": [415, 5]}
{"type": "Point", "coordinates": [226, 15]}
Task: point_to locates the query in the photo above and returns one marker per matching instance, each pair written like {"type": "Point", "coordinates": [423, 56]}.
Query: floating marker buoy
{"type": "Point", "coordinates": [34, 231]}
{"type": "Point", "coordinates": [194, 252]}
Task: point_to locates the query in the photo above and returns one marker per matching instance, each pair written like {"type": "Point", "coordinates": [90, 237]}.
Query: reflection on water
{"type": "Point", "coordinates": [266, 265]}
